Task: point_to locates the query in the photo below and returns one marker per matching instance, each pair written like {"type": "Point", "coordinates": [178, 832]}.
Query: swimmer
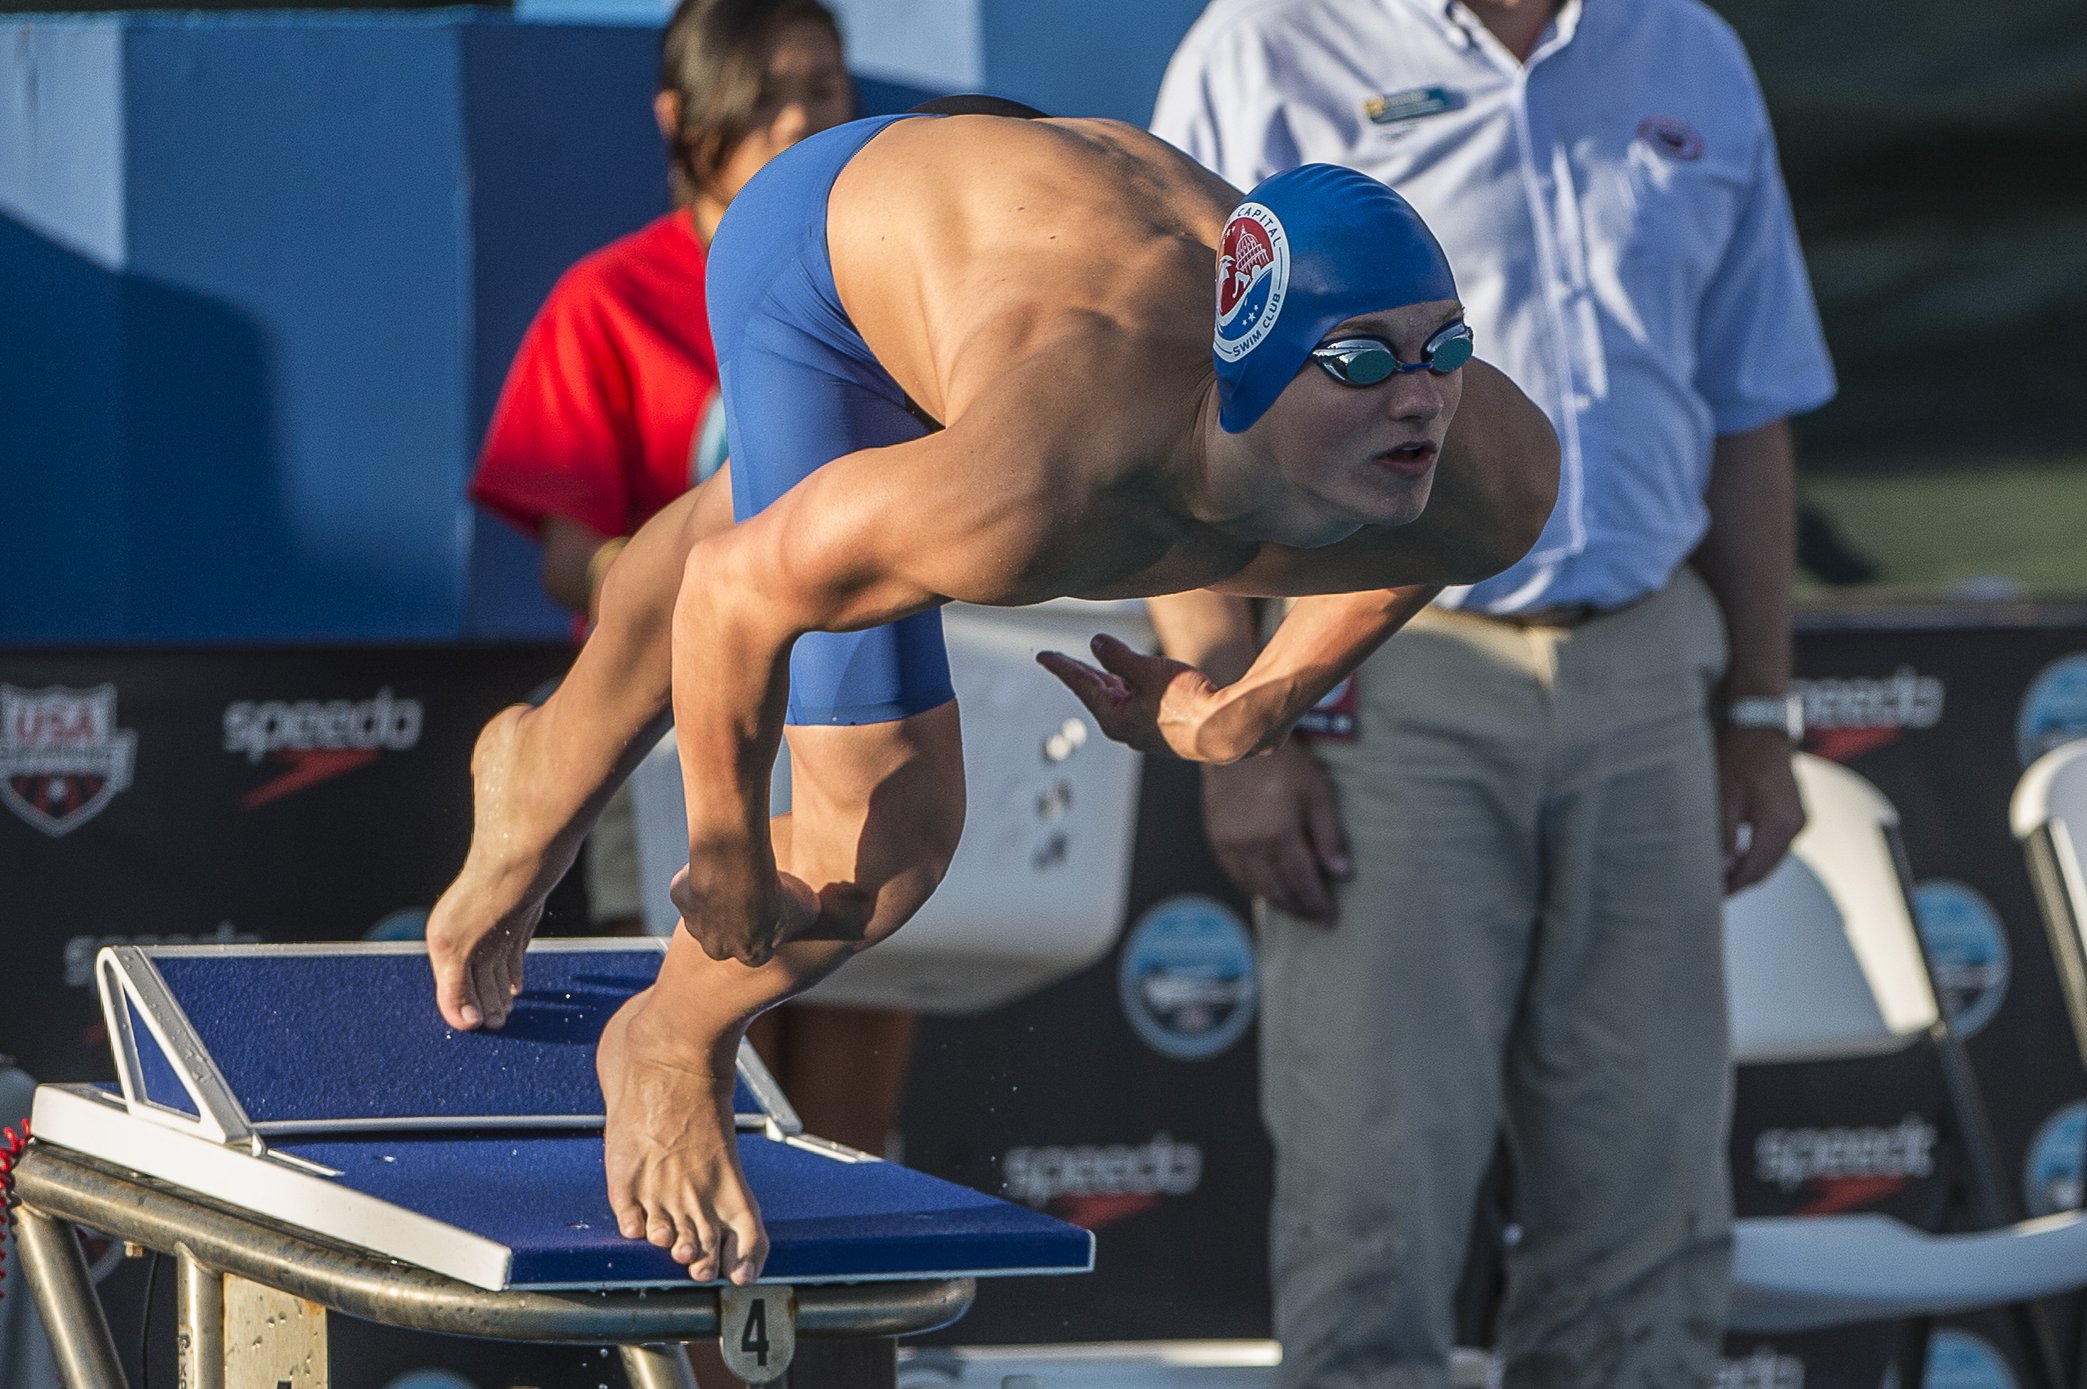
{"type": "Point", "coordinates": [971, 358]}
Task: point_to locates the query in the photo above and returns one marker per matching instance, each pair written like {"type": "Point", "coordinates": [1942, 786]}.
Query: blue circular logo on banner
{"type": "Point", "coordinates": [2055, 709]}
{"type": "Point", "coordinates": [1959, 1359]}
{"type": "Point", "coordinates": [407, 923]}
{"type": "Point", "coordinates": [2051, 1178]}
{"type": "Point", "coordinates": [431, 1378]}
{"type": "Point", "coordinates": [1187, 978]}
{"type": "Point", "coordinates": [1967, 950]}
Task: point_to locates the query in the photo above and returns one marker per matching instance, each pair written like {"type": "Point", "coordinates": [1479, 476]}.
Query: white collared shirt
{"type": "Point", "coordinates": [1614, 213]}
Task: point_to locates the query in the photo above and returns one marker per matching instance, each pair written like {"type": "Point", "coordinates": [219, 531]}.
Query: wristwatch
{"type": "Point", "coordinates": [1784, 713]}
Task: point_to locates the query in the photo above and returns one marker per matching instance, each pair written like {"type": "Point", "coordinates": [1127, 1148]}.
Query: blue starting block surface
{"type": "Point", "coordinates": [317, 1087]}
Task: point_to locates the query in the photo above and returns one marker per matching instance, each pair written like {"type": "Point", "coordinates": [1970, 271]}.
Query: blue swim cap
{"type": "Point", "coordinates": [1309, 248]}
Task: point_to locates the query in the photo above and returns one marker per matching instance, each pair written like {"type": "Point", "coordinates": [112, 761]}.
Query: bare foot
{"type": "Point", "coordinates": [670, 1149]}
{"type": "Point", "coordinates": [519, 850]}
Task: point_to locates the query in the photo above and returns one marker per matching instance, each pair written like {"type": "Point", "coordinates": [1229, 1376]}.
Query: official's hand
{"type": "Point", "coordinates": [1149, 702]}
{"type": "Point", "coordinates": [733, 924]}
{"type": "Point", "coordinates": [1757, 790]}
{"type": "Point", "coordinates": [1275, 829]}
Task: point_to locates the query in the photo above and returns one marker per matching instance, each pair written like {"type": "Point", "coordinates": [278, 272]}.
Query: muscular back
{"type": "Point", "coordinates": [966, 244]}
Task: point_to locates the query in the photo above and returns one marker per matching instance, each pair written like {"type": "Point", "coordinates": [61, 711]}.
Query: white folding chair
{"type": "Point", "coordinates": [1824, 961]}
{"type": "Point", "coordinates": [2049, 815]}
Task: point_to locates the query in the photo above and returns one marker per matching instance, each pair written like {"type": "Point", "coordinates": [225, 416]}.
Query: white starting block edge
{"type": "Point", "coordinates": [126, 976]}
{"type": "Point", "coordinates": [301, 1196]}
{"type": "Point", "coordinates": [271, 1186]}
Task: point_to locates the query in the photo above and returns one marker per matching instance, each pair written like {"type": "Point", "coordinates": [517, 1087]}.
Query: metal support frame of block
{"type": "Point", "coordinates": [267, 1288]}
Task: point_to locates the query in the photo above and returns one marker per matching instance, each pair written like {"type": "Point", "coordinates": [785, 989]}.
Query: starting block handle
{"type": "Point", "coordinates": [757, 1330]}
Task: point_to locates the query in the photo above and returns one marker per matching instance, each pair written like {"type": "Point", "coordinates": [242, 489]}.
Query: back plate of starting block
{"type": "Point", "coordinates": [231, 1041]}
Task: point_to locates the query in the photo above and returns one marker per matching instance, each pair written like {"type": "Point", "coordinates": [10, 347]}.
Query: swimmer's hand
{"type": "Point", "coordinates": [735, 921]}
{"type": "Point", "coordinates": [1149, 702]}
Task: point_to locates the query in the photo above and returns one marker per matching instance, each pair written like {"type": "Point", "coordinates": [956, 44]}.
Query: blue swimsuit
{"type": "Point", "coordinates": [801, 389]}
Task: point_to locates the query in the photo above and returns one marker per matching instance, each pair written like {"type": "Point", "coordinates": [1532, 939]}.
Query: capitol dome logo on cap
{"type": "Point", "coordinates": [1253, 276]}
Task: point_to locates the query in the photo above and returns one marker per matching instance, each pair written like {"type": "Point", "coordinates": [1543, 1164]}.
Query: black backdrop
{"type": "Point", "coordinates": [293, 794]}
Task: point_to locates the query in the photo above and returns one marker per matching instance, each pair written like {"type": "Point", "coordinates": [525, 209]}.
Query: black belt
{"type": "Point", "coordinates": [1562, 615]}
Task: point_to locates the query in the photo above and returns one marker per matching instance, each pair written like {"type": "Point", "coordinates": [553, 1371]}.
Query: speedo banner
{"type": "Point", "coordinates": [1132, 1106]}
{"type": "Point", "coordinates": [289, 794]}
{"type": "Point", "coordinates": [323, 794]}
{"type": "Point", "coordinates": [1942, 711]}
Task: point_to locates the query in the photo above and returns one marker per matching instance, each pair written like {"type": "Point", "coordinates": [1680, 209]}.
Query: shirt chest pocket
{"type": "Point", "coordinates": [1663, 207]}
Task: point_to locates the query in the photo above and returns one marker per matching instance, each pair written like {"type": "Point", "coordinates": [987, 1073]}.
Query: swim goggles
{"type": "Point", "coordinates": [1366, 361]}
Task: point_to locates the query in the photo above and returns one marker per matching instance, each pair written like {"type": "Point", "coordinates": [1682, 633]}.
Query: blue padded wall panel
{"type": "Point", "coordinates": [1050, 57]}
{"type": "Point", "coordinates": [550, 181]}
{"type": "Point", "coordinates": [294, 449]}
{"type": "Point", "coordinates": [262, 274]}
{"type": "Point", "coordinates": [61, 249]}
{"type": "Point", "coordinates": [61, 142]}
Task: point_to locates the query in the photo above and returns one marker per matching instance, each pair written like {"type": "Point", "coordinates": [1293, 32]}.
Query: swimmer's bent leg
{"type": "Point", "coordinates": [876, 760]}
{"type": "Point", "coordinates": [876, 812]}
{"type": "Point", "coordinates": [541, 776]}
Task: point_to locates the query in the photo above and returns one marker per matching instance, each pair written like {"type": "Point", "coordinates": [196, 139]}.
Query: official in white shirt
{"type": "Point", "coordinates": [1493, 885]}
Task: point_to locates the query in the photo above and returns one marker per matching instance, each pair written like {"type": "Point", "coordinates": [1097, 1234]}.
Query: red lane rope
{"type": "Point", "coordinates": [12, 1146]}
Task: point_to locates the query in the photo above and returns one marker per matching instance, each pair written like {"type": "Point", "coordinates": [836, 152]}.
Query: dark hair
{"type": "Point", "coordinates": [714, 57]}
{"type": "Point", "coordinates": [976, 104]}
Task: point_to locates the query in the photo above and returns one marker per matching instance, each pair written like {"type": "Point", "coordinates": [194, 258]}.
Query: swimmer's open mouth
{"type": "Point", "coordinates": [1408, 459]}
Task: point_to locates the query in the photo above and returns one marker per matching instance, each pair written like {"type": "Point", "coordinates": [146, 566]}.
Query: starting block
{"type": "Point", "coordinates": [300, 1129]}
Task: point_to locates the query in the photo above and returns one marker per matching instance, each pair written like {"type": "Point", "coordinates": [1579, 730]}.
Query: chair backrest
{"type": "Point", "coordinates": [1823, 959]}
{"type": "Point", "coordinates": [2049, 815]}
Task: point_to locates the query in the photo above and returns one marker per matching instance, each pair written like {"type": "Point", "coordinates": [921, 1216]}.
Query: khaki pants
{"type": "Point", "coordinates": [1531, 934]}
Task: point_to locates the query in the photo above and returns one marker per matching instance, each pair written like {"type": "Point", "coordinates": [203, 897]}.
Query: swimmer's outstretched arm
{"type": "Point", "coordinates": [1217, 696]}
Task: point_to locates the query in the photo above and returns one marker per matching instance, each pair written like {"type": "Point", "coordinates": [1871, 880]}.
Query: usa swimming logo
{"type": "Point", "coordinates": [1253, 273]}
{"type": "Point", "coordinates": [62, 757]}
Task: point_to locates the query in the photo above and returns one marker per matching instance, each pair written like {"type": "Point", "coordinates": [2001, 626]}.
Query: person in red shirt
{"type": "Point", "coordinates": [610, 412]}
{"type": "Point", "coordinates": [597, 427]}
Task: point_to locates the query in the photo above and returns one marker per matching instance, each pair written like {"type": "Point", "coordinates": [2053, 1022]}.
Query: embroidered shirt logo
{"type": "Point", "coordinates": [1671, 136]}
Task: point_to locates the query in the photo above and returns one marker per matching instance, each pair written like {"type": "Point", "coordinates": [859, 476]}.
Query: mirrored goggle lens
{"type": "Point", "coordinates": [1448, 352]}
{"type": "Point", "coordinates": [1365, 366]}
